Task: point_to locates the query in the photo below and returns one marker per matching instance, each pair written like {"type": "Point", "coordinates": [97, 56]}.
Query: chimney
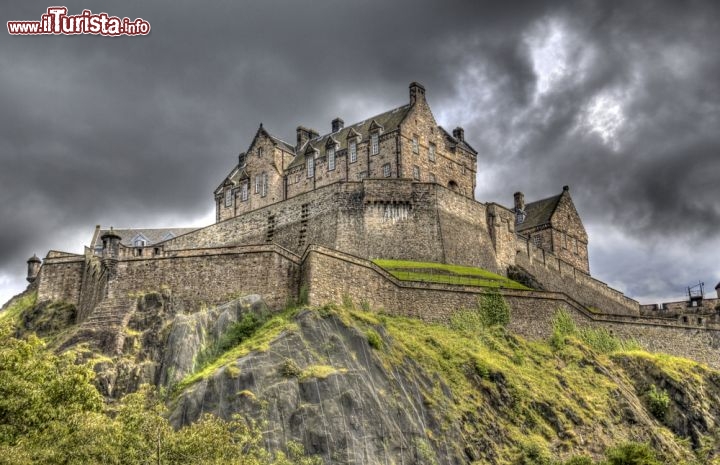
{"type": "Point", "coordinates": [566, 189]}
{"type": "Point", "coordinates": [459, 133]}
{"type": "Point", "coordinates": [417, 91]}
{"type": "Point", "coordinates": [337, 124]}
{"type": "Point", "coordinates": [305, 134]}
{"type": "Point", "coordinates": [519, 201]}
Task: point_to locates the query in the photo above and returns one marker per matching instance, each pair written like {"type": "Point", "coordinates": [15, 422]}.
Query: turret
{"type": "Point", "coordinates": [110, 250]}
{"type": "Point", "coordinates": [33, 268]}
{"type": "Point", "coordinates": [717, 289]}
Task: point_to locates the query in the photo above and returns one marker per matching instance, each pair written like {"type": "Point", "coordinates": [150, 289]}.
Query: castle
{"type": "Point", "coordinates": [315, 215]}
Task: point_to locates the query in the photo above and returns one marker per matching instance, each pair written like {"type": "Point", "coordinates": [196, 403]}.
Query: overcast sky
{"type": "Point", "coordinates": [619, 100]}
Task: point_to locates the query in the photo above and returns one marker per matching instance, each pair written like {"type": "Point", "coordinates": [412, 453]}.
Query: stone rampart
{"type": "Point", "coordinates": [532, 311]}
{"type": "Point", "coordinates": [60, 277]}
{"type": "Point", "coordinates": [558, 275]}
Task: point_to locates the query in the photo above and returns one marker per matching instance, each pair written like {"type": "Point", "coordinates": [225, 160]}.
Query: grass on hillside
{"type": "Point", "coordinates": [20, 305]}
{"type": "Point", "coordinates": [441, 273]}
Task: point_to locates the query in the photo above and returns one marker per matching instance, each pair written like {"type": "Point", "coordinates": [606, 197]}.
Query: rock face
{"type": "Point", "coordinates": [324, 385]}
{"type": "Point", "coordinates": [354, 387]}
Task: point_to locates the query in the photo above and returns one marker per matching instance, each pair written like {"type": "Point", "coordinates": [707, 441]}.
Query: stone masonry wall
{"type": "Point", "coordinates": [212, 278]}
{"type": "Point", "coordinates": [557, 275]}
{"type": "Point", "coordinates": [531, 314]}
{"type": "Point", "coordinates": [94, 285]}
{"type": "Point", "coordinates": [60, 277]}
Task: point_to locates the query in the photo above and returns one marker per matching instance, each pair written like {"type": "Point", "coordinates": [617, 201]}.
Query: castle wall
{"type": "Point", "coordinates": [388, 218]}
{"type": "Point", "coordinates": [207, 277]}
{"type": "Point", "coordinates": [557, 275]}
{"type": "Point", "coordinates": [94, 285]}
{"type": "Point", "coordinates": [531, 311]}
{"type": "Point", "coordinates": [60, 277]}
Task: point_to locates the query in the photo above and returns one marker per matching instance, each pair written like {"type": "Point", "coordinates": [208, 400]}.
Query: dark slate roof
{"type": "Point", "coordinates": [718, 286]}
{"type": "Point", "coordinates": [152, 235]}
{"type": "Point", "coordinates": [285, 145]}
{"type": "Point", "coordinates": [389, 121]}
{"type": "Point", "coordinates": [539, 212]}
{"type": "Point", "coordinates": [458, 142]}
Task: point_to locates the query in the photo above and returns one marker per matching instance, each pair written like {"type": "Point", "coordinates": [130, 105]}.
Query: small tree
{"type": "Point", "coordinates": [494, 311]}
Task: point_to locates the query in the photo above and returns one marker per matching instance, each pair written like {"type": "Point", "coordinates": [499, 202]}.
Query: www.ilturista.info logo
{"type": "Point", "coordinates": [57, 21]}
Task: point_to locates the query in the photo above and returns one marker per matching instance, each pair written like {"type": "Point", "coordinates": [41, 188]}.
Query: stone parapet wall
{"type": "Point", "coordinates": [60, 277]}
{"type": "Point", "coordinates": [558, 275]}
{"type": "Point", "coordinates": [532, 311]}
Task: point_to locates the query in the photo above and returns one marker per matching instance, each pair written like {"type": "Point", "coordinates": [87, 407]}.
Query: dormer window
{"type": "Point", "coordinates": [431, 152]}
{"type": "Point", "coordinates": [415, 145]}
{"type": "Point", "coordinates": [228, 197]}
{"type": "Point", "coordinates": [331, 158]}
{"type": "Point", "coordinates": [352, 149]}
{"type": "Point", "coordinates": [374, 143]}
{"type": "Point", "coordinates": [310, 166]}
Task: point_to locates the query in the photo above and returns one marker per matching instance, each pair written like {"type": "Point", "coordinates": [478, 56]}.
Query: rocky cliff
{"type": "Point", "coordinates": [355, 386]}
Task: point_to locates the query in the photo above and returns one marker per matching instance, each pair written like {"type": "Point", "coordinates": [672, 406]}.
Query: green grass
{"type": "Point", "coordinates": [20, 305]}
{"type": "Point", "coordinates": [442, 273]}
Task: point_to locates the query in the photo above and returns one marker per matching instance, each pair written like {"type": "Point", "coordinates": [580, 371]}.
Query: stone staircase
{"type": "Point", "coordinates": [104, 328]}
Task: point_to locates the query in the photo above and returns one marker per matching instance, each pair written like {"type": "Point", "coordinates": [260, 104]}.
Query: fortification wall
{"type": "Point", "coordinates": [210, 278]}
{"type": "Point", "coordinates": [94, 285]}
{"type": "Point", "coordinates": [60, 277]}
{"type": "Point", "coordinates": [557, 275]}
{"type": "Point", "coordinates": [531, 315]}
{"type": "Point", "coordinates": [389, 218]}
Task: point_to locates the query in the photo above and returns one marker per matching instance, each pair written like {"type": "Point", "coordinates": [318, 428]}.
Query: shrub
{"type": "Point", "coordinates": [289, 369]}
{"type": "Point", "coordinates": [494, 311]}
{"type": "Point", "coordinates": [563, 326]}
{"type": "Point", "coordinates": [374, 339]}
{"type": "Point", "coordinates": [239, 331]}
{"type": "Point", "coordinates": [631, 453]}
{"type": "Point", "coordinates": [658, 401]}
{"type": "Point", "coordinates": [600, 340]}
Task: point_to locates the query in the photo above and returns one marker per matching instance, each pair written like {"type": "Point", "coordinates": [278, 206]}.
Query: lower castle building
{"type": "Point", "coordinates": [315, 214]}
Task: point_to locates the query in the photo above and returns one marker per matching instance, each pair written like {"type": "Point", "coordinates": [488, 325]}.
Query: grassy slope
{"type": "Point", "coordinates": [406, 270]}
{"type": "Point", "coordinates": [513, 394]}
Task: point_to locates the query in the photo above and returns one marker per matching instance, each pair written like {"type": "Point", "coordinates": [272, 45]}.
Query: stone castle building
{"type": "Point", "coordinates": [315, 214]}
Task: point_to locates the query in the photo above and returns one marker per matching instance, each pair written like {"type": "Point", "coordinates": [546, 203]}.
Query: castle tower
{"type": "Point", "coordinates": [33, 268]}
{"type": "Point", "coordinates": [519, 207]}
{"type": "Point", "coordinates": [110, 250]}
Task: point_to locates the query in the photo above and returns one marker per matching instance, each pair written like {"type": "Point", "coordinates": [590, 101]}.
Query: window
{"type": "Point", "coordinates": [260, 151]}
{"type": "Point", "coordinates": [228, 197]}
{"type": "Point", "coordinates": [415, 145]}
{"type": "Point", "coordinates": [432, 177]}
{"type": "Point", "coordinates": [416, 172]}
{"type": "Point", "coordinates": [431, 152]}
{"type": "Point", "coordinates": [264, 184]}
{"type": "Point", "coordinates": [374, 144]}
{"type": "Point", "coordinates": [352, 148]}
{"type": "Point", "coordinates": [257, 184]}
{"type": "Point", "coordinates": [331, 159]}
{"type": "Point", "coordinates": [386, 170]}
{"type": "Point", "coordinates": [244, 192]}
{"type": "Point", "coordinates": [362, 175]}
{"type": "Point", "coordinates": [297, 178]}
{"type": "Point", "coordinates": [536, 241]}
{"type": "Point", "coordinates": [310, 166]}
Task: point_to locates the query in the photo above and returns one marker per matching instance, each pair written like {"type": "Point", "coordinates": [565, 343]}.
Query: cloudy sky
{"type": "Point", "coordinates": [620, 100]}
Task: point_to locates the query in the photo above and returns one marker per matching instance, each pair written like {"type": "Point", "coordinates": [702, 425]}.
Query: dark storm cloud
{"type": "Point", "coordinates": [137, 131]}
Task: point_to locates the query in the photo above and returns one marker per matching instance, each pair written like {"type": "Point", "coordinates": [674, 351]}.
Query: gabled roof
{"type": "Point", "coordinates": [153, 236]}
{"type": "Point", "coordinates": [538, 213]}
{"type": "Point", "coordinates": [389, 121]}
{"type": "Point", "coordinates": [457, 142]}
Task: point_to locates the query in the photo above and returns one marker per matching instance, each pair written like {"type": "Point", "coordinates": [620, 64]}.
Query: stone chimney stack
{"type": "Point", "coordinates": [337, 124]}
{"type": "Point", "coordinates": [305, 134]}
{"type": "Point", "coordinates": [566, 189]}
{"type": "Point", "coordinates": [459, 133]}
{"type": "Point", "coordinates": [33, 268]}
{"type": "Point", "coordinates": [417, 92]}
{"type": "Point", "coordinates": [519, 201]}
